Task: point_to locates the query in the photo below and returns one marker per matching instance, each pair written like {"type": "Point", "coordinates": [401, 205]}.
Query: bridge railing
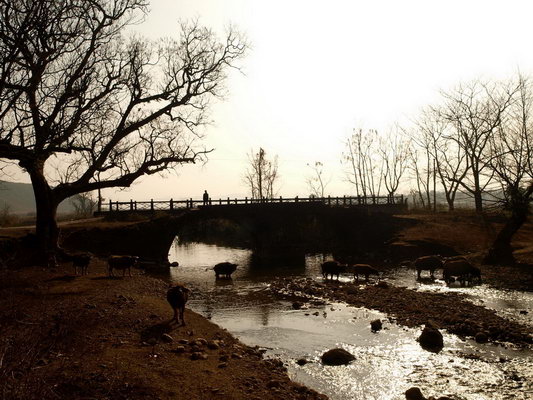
{"type": "Point", "coordinates": [168, 205]}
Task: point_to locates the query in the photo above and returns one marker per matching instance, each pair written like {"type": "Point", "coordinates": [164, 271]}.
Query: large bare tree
{"type": "Point", "coordinates": [510, 157]}
{"type": "Point", "coordinates": [105, 107]}
{"type": "Point", "coordinates": [475, 110]}
{"type": "Point", "coordinates": [261, 175]}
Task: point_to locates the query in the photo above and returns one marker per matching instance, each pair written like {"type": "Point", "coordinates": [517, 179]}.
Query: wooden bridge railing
{"type": "Point", "coordinates": [167, 205]}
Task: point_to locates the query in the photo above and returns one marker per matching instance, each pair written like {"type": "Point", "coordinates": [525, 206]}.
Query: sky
{"type": "Point", "coordinates": [317, 70]}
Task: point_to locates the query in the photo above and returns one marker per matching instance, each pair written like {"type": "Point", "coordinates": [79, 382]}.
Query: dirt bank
{"type": "Point", "coordinates": [412, 308]}
{"type": "Point", "coordinates": [67, 337]}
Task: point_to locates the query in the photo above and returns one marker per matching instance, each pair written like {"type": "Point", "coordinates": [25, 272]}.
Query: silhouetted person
{"type": "Point", "coordinates": [206, 198]}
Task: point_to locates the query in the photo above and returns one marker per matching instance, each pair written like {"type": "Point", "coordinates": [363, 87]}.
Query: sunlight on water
{"type": "Point", "coordinates": [387, 363]}
{"type": "Point", "coordinates": [512, 304]}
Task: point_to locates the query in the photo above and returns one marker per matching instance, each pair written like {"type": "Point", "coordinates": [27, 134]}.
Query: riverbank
{"type": "Point", "coordinates": [66, 336]}
{"type": "Point", "coordinates": [412, 308]}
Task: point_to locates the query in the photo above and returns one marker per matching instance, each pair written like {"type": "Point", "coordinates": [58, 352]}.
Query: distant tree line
{"type": "Point", "coordinates": [477, 140]}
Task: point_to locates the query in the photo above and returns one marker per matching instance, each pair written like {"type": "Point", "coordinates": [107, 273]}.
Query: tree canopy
{"type": "Point", "coordinates": [108, 108]}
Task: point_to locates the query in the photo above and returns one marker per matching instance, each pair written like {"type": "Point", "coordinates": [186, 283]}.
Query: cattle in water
{"type": "Point", "coordinates": [177, 297]}
{"type": "Point", "coordinates": [362, 269]}
{"type": "Point", "coordinates": [332, 268]}
{"type": "Point", "coordinates": [427, 263]}
{"type": "Point", "coordinates": [122, 262]}
{"type": "Point", "coordinates": [224, 270]}
{"type": "Point", "coordinates": [461, 270]}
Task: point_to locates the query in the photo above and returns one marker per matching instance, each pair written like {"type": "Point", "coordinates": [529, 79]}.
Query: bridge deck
{"type": "Point", "coordinates": [176, 205]}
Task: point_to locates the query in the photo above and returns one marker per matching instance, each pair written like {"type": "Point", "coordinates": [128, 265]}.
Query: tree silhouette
{"type": "Point", "coordinates": [105, 107]}
{"type": "Point", "coordinates": [261, 175]}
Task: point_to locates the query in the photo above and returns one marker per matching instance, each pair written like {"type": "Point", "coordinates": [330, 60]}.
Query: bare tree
{"type": "Point", "coordinates": [394, 151]}
{"type": "Point", "coordinates": [422, 166]}
{"type": "Point", "coordinates": [84, 205]}
{"type": "Point", "coordinates": [434, 134]}
{"type": "Point", "coordinates": [475, 110]}
{"type": "Point", "coordinates": [316, 182]}
{"type": "Point", "coordinates": [261, 175]}
{"type": "Point", "coordinates": [510, 157]}
{"type": "Point", "coordinates": [74, 89]}
{"type": "Point", "coordinates": [364, 164]}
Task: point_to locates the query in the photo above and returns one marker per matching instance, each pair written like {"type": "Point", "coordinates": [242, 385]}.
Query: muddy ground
{"type": "Point", "coordinates": [94, 337]}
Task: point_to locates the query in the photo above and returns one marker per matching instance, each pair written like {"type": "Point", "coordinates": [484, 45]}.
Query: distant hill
{"type": "Point", "coordinates": [20, 199]}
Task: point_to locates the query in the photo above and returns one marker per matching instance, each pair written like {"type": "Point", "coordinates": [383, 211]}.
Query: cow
{"type": "Point", "coordinates": [224, 269]}
{"type": "Point", "coordinates": [122, 262]}
{"type": "Point", "coordinates": [427, 263]}
{"type": "Point", "coordinates": [460, 269]}
{"type": "Point", "coordinates": [362, 269]}
{"type": "Point", "coordinates": [177, 297]}
{"type": "Point", "coordinates": [332, 268]}
{"type": "Point", "coordinates": [81, 261]}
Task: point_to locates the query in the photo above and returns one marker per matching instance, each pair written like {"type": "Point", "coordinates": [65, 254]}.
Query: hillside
{"type": "Point", "coordinates": [20, 200]}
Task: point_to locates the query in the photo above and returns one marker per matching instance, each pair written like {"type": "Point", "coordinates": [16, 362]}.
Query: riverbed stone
{"type": "Point", "coordinates": [376, 325]}
{"type": "Point", "coordinates": [431, 339]}
{"type": "Point", "coordinates": [337, 357]}
{"type": "Point", "coordinates": [165, 337]}
{"type": "Point", "coordinates": [414, 393]}
{"type": "Point", "coordinates": [297, 305]}
{"type": "Point", "coordinates": [481, 337]}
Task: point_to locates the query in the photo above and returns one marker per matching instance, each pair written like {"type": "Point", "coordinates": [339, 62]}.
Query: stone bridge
{"type": "Point", "coordinates": [275, 229]}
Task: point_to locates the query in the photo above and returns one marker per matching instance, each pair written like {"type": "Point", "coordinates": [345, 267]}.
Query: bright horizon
{"type": "Point", "coordinates": [317, 71]}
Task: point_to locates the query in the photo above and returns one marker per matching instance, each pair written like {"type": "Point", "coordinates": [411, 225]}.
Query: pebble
{"type": "Point", "coordinates": [165, 337]}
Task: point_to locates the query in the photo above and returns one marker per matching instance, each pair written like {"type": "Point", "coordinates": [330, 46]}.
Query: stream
{"type": "Point", "coordinates": [387, 363]}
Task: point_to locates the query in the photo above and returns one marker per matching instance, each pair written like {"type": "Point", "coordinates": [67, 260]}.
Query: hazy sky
{"type": "Point", "coordinates": [318, 69]}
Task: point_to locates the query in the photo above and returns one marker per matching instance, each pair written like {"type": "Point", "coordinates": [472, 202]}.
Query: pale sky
{"type": "Point", "coordinates": [317, 69]}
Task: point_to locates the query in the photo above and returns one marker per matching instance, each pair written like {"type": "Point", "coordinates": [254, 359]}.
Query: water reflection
{"type": "Point", "coordinates": [387, 362]}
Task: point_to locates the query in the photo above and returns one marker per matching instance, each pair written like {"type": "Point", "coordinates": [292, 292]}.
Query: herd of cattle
{"type": "Point", "coordinates": [453, 269]}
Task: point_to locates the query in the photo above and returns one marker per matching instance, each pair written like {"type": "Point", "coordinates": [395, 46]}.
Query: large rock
{"type": "Point", "coordinates": [337, 357]}
{"type": "Point", "coordinates": [431, 339]}
{"type": "Point", "coordinates": [376, 325]}
{"type": "Point", "coordinates": [414, 393]}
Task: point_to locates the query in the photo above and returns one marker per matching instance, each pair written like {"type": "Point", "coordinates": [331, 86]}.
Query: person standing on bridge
{"type": "Point", "coordinates": [206, 198]}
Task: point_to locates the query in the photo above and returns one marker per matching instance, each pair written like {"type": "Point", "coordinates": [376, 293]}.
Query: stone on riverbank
{"type": "Point", "coordinates": [337, 357]}
{"type": "Point", "coordinates": [376, 325]}
{"type": "Point", "coordinates": [431, 339]}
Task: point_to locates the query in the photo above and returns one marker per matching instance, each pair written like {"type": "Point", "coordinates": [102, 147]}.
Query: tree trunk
{"type": "Point", "coordinates": [47, 231]}
{"type": "Point", "coordinates": [478, 201]}
{"type": "Point", "coordinates": [501, 251]}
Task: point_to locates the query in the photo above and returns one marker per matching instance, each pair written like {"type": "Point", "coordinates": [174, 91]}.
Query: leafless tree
{"type": "Point", "coordinates": [434, 134]}
{"type": "Point", "coordinates": [421, 165]}
{"type": "Point", "coordinates": [84, 204]}
{"type": "Point", "coordinates": [364, 164]}
{"type": "Point", "coordinates": [75, 89]}
{"type": "Point", "coordinates": [475, 110]}
{"type": "Point", "coordinates": [394, 151]}
{"type": "Point", "coordinates": [510, 157]}
{"type": "Point", "coordinates": [261, 175]}
{"type": "Point", "coordinates": [317, 182]}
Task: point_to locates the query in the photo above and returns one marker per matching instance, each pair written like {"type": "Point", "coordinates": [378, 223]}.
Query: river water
{"type": "Point", "coordinates": [387, 363]}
